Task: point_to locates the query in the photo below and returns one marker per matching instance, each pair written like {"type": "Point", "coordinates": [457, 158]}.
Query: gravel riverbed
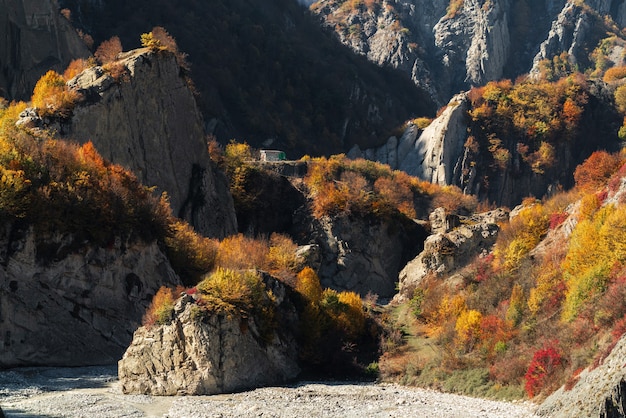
{"type": "Point", "coordinates": [95, 392]}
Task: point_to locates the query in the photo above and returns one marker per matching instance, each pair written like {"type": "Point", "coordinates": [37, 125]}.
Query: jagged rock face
{"type": "Point", "coordinates": [377, 34]}
{"type": "Point", "coordinates": [452, 246]}
{"type": "Point", "coordinates": [198, 355]}
{"type": "Point", "coordinates": [363, 255]}
{"type": "Point", "coordinates": [483, 40]}
{"type": "Point", "coordinates": [598, 393]}
{"type": "Point", "coordinates": [34, 39]}
{"type": "Point", "coordinates": [150, 124]}
{"type": "Point", "coordinates": [434, 154]}
{"type": "Point", "coordinates": [475, 42]}
{"type": "Point", "coordinates": [70, 304]}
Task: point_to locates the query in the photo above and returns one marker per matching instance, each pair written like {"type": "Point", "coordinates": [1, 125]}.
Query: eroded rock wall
{"type": "Point", "coordinates": [64, 303]}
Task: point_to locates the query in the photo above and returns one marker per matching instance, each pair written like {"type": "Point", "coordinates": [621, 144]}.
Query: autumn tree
{"type": "Point", "coordinates": [596, 170]}
{"type": "Point", "coordinates": [52, 96]}
{"type": "Point", "coordinates": [108, 50]}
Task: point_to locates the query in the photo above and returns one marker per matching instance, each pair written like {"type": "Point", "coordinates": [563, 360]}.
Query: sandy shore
{"type": "Point", "coordinates": [95, 392]}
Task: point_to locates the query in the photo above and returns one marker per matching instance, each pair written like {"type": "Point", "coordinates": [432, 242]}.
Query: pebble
{"type": "Point", "coordinates": [88, 392]}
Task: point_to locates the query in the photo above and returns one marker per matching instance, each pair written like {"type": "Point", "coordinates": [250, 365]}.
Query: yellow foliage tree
{"type": "Point", "coordinates": [468, 328]}
{"type": "Point", "coordinates": [51, 95]}
{"type": "Point", "coordinates": [308, 285]}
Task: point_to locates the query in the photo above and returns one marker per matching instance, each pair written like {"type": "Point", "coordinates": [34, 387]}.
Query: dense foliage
{"type": "Point", "coordinates": [339, 185]}
{"type": "Point", "coordinates": [543, 305]}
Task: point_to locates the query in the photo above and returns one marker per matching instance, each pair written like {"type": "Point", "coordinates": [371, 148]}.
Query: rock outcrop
{"type": "Point", "coordinates": [600, 392]}
{"type": "Point", "coordinates": [454, 243]}
{"type": "Point", "coordinates": [64, 303]}
{"type": "Point", "coordinates": [204, 354]}
{"type": "Point", "coordinates": [475, 42]}
{"type": "Point", "coordinates": [148, 122]}
{"type": "Point", "coordinates": [365, 256]}
{"type": "Point", "coordinates": [434, 154]}
{"type": "Point", "coordinates": [35, 38]}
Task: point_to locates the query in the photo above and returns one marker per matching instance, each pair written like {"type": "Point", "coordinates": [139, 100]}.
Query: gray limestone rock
{"type": "Point", "coordinates": [455, 242]}
{"type": "Point", "coordinates": [204, 354]}
{"type": "Point", "coordinates": [150, 124]}
{"type": "Point", "coordinates": [365, 256]}
{"type": "Point", "coordinates": [70, 307]}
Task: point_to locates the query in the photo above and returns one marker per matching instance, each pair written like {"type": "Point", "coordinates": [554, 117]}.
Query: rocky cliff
{"type": "Point", "coordinates": [204, 354]}
{"type": "Point", "coordinates": [34, 39]}
{"type": "Point", "coordinates": [64, 303]}
{"type": "Point", "coordinates": [454, 243]}
{"type": "Point", "coordinates": [450, 46]}
{"type": "Point", "coordinates": [434, 154]}
{"type": "Point", "coordinates": [148, 121]}
{"type": "Point", "coordinates": [365, 255]}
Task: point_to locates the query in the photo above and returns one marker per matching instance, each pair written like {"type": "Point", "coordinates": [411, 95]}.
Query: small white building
{"type": "Point", "coordinates": [272, 155]}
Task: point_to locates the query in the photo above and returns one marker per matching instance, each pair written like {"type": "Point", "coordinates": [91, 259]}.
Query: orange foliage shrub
{"type": "Point", "coordinates": [190, 253]}
{"type": "Point", "coordinates": [161, 308]}
{"type": "Point", "coordinates": [108, 50]}
{"type": "Point", "coordinates": [308, 285]}
{"type": "Point", "coordinates": [75, 67]}
{"type": "Point", "coordinates": [614, 74]}
{"type": "Point", "coordinates": [239, 252]}
{"type": "Point", "coordinates": [596, 170]}
{"type": "Point", "coordinates": [281, 258]}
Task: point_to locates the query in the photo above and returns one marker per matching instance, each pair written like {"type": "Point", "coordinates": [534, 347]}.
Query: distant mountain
{"type": "Point", "coordinates": [448, 46]}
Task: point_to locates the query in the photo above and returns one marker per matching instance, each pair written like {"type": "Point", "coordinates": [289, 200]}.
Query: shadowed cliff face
{"type": "Point", "coordinates": [81, 308]}
{"type": "Point", "coordinates": [34, 38]}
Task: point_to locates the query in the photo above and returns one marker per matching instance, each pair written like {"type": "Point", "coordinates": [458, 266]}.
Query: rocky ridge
{"type": "Point", "coordinates": [445, 50]}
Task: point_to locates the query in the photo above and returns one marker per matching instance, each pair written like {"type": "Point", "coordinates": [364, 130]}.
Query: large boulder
{"type": "Point", "coordinates": [203, 354]}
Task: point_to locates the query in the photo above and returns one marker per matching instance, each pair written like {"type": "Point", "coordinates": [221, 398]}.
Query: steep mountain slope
{"type": "Point", "coordinates": [504, 142]}
{"type": "Point", "coordinates": [266, 71]}
{"type": "Point", "coordinates": [451, 46]}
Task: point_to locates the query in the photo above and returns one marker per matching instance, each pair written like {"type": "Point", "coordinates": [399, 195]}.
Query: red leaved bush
{"type": "Point", "coordinates": [543, 366]}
